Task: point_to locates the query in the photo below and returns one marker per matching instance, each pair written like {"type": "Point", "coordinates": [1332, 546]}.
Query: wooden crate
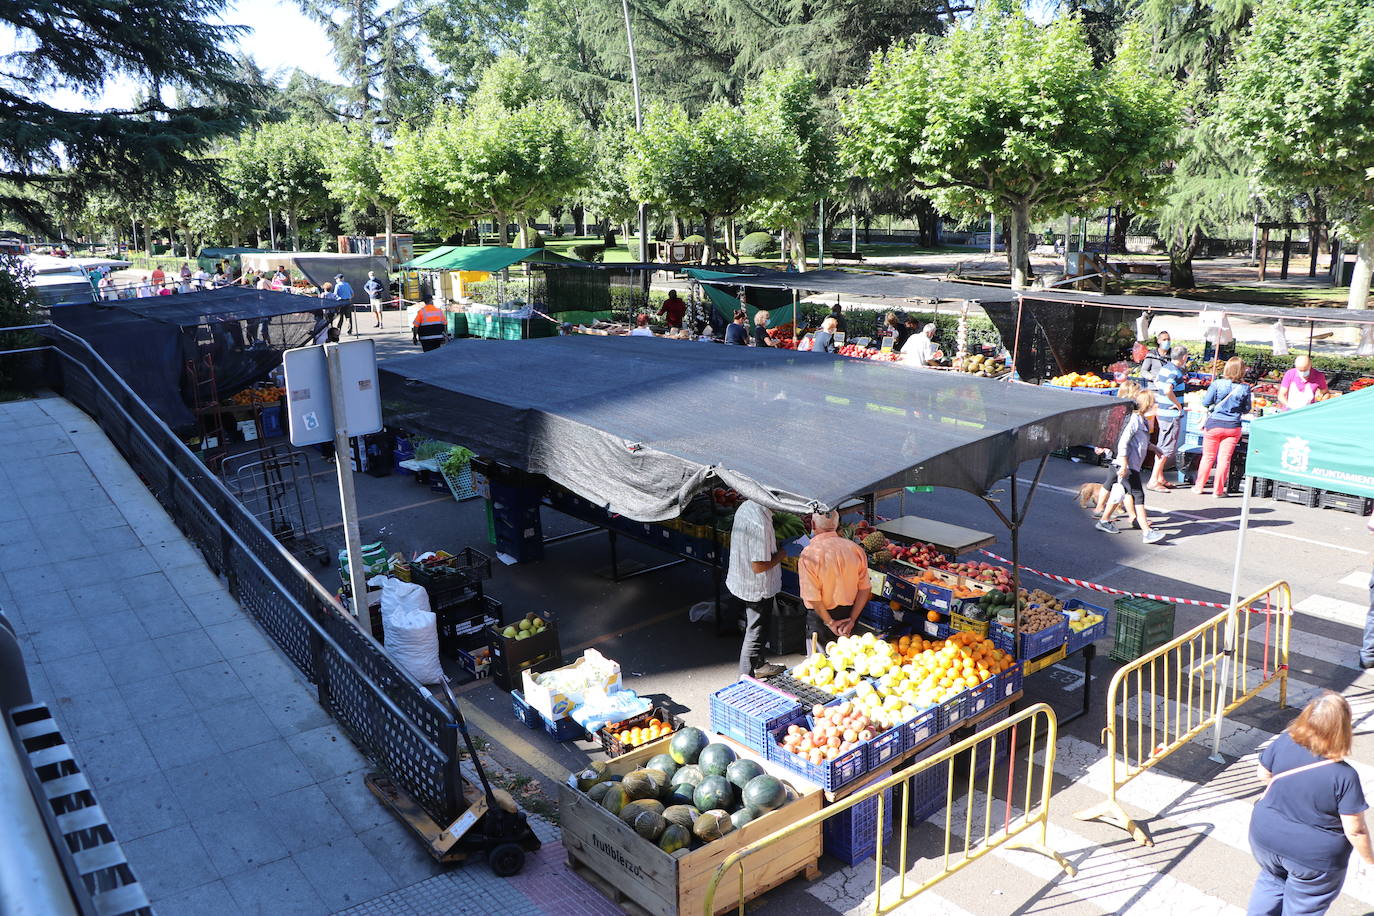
{"type": "Point", "coordinates": [643, 879]}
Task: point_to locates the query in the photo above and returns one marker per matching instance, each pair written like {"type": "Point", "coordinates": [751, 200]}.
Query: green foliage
{"type": "Point", "coordinates": [695, 240]}
{"type": "Point", "coordinates": [467, 36]}
{"type": "Point", "coordinates": [534, 238]}
{"type": "Point", "coordinates": [507, 85]}
{"type": "Point", "coordinates": [758, 244]}
{"type": "Point", "coordinates": [589, 252]}
{"type": "Point", "coordinates": [608, 192]}
{"type": "Point", "coordinates": [280, 165]}
{"type": "Point", "coordinates": [18, 306]}
{"type": "Point", "coordinates": [353, 165]}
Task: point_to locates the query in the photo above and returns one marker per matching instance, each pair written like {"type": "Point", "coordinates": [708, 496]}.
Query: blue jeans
{"type": "Point", "coordinates": [1285, 888]}
{"type": "Point", "coordinates": [1367, 648]}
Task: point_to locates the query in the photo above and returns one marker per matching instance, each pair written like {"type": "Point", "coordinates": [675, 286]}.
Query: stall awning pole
{"type": "Point", "coordinates": [1228, 651]}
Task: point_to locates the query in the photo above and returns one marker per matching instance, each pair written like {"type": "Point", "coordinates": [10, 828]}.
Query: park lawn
{"type": "Point", "coordinates": [1314, 297]}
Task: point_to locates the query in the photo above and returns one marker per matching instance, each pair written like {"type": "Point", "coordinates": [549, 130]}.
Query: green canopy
{"type": "Point", "coordinates": [1324, 445]}
{"type": "Point", "coordinates": [778, 301]}
{"type": "Point", "coordinates": [489, 258]}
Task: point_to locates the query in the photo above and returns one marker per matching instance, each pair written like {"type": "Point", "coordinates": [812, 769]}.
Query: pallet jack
{"type": "Point", "coordinates": [491, 824]}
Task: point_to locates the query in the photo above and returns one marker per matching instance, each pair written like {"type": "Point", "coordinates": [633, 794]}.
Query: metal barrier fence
{"type": "Point", "coordinates": [1171, 695]}
{"type": "Point", "coordinates": [392, 719]}
{"type": "Point", "coordinates": [984, 819]}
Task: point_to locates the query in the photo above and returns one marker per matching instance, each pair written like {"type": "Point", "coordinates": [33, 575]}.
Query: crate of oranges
{"type": "Point", "coordinates": [622, 737]}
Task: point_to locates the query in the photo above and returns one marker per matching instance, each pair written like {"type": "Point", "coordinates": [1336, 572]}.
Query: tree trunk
{"type": "Point", "coordinates": [677, 227]}
{"type": "Point", "coordinates": [501, 232]}
{"type": "Point", "coordinates": [389, 216]}
{"type": "Point", "coordinates": [608, 237]}
{"type": "Point", "coordinates": [708, 250]}
{"type": "Point", "coordinates": [730, 235]}
{"type": "Point", "coordinates": [1123, 223]}
{"type": "Point", "coordinates": [1360, 279]}
{"type": "Point", "coordinates": [579, 216]}
{"type": "Point", "coordinates": [798, 237]}
{"type": "Point", "coordinates": [1018, 247]}
{"type": "Point", "coordinates": [1181, 252]}
{"type": "Point", "coordinates": [522, 225]}
{"type": "Point", "coordinates": [853, 231]}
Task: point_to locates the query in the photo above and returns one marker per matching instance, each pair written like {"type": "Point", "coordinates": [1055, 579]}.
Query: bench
{"type": "Point", "coordinates": [847, 255]}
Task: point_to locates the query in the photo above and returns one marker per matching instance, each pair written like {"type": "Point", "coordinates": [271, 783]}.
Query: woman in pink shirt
{"type": "Point", "coordinates": [1301, 384]}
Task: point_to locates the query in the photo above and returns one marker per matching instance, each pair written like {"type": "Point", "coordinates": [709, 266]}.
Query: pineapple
{"type": "Point", "coordinates": [875, 542]}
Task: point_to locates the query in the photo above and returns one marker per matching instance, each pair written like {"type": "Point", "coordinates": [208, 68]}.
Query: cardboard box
{"type": "Point", "coordinates": [553, 704]}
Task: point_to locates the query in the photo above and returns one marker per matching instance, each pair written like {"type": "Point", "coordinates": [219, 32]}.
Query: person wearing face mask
{"type": "Point", "coordinates": [1155, 359]}
{"type": "Point", "coordinates": [1301, 384]}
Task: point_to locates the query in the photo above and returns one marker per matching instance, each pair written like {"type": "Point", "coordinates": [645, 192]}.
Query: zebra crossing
{"type": "Point", "coordinates": [1201, 861]}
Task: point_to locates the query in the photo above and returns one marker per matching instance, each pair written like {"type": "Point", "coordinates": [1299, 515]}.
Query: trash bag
{"type": "Point", "coordinates": [702, 611]}
{"type": "Point", "coordinates": [412, 632]}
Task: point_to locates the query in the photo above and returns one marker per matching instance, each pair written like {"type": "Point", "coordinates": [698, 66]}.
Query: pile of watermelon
{"type": "Point", "coordinates": [695, 793]}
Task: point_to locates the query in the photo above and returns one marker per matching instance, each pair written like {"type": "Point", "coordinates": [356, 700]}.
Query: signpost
{"type": "Point", "coordinates": [332, 395]}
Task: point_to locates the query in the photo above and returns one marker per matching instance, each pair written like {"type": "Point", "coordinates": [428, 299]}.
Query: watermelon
{"type": "Point", "coordinates": [675, 837]}
{"type": "Point", "coordinates": [682, 815]}
{"type": "Point", "coordinates": [641, 784]}
{"type": "Point", "coordinates": [649, 824]}
{"type": "Point", "coordinates": [743, 770]}
{"type": "Point", "coordinates": [714, 759]}
{"type": "Point", "coordinates": [682, 794]}
{"type": "Point", "coordinates": [664, 763]}
{"type": "Point", "coordinates": [765, 793]}
{"type": "Point", "coordinates": [687, 745]}
{"type": "Point", "coordinates": [690, 775]}
{"type": "Point", "coordinates": [743, 816]}
{"type": "Point", "coordinates": [712, 825]}
{"type": "Point", "coordinates": [614, 799]}
{"type": "Point", "coordinates": [598, 791]}
{"type": "Point", "coordinates": [627, 813]}
{"type": "Point", "coordinates": [715, 792]}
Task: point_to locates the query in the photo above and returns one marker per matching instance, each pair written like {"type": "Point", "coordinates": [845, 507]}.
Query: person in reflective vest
{"type": "Point", "coordinates": [428, 327]}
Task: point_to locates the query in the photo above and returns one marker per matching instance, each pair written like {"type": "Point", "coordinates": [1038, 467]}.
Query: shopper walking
{"type": "Point", "coordinates": [755, 578]}
{"type": "Point", "coordinates": [1170, 384]}
{"type": "Point", "coordinates": [1226, 401]}
{"type": "Point", "coordinates": [374, 289]}
{"type": "Point", "coordinates": [344, 290]}
{"type": "Point", "coordinates": [428, 327]}
{"type": "Point", "coordinates": [833, 574]}
{"type": "Point", "coordinates": [1131, 449]}
{"type": "Point", "coordinates": [1311, 814]}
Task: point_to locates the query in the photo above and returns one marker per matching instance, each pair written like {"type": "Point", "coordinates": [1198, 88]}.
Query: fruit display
{"type": "Point", "coordinates": [1041, 597]}
{"type": "Point", "coordinates": [985, 573]}
{"type": "Point", "coordinates": [787, 527]}
{"type": "Point", "coordinates": [249, 396]}
{"type": "Point", "coordinates": [1079, 380]}
{"type": "Point", "coordinates": [977, 364]}
{"type": "Point", "coordinates": [1081, 620]}
{"type": "Point", "coordinates": [874, 353]}
{"type": "Point", "coordinates": [932, 671]}
{"type": "Point", "coordinates": [1361, 383]}
{"type": "Point", "coordinates": [642, 734]}
{"type": "Point", "coordinates": [834, 730]}
{"type": "Point", "coordinates": [1037, 617]}
{"type": "Point", "coordinates": [696, 793]}
{"type": "Point", "coordinates": [531, 625]}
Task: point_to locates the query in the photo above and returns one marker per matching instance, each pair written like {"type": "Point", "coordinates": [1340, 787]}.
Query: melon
{"type": "Point", "coordinates": [598, 791]}
{"type": "Point", "coordinates": [715, 792]}
{"type": "Point", "coordinates": [682, 815]}
{"type": "Point", "coordinates": [614, 799]}
{"type": "Point", "coordinates": [627, 813]}
{"type": "Point", "coordinates": [743, 816]}
{"type": "Point", "coordinates": [649, 824]}
{"type": "Point", "coordinates": [592, 775]}
{"type": "Point", "coordinates": [712, 825]}
{"type": "Point", "coordinates": [743, 770]}
{"type": "Point", "coordinates": [687, 745]}
{"type": "Point", "coordinates": [715, 759]}
{"type": "Point", "coordinates": [664, 763]}
{"type": "Point", "coordinates": [675, 837]}
{"type": "Point", "coordinates": [764, 792]}
{"type": "Point", "coordinates": [641, 784]}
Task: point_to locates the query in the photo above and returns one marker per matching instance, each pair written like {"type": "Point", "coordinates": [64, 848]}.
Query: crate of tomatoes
{"type": "Point", "coordinates": [622, 737]}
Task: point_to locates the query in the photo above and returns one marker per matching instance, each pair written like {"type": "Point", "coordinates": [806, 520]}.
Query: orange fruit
{"type": "Point", "coordinates": [933, 616]}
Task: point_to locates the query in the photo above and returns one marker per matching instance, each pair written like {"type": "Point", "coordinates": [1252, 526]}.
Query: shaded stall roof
{"type": "Point", "coordinates": [640, 424]}
{"type": "Point", "coordinates": [1313, 447]}
{"type": "Point", "coordinates": [868, 283]}
{"type": "Point", "coordinates": [229, 303]}
{"type": "Point", "coordinates": [1298, 314]}
{"type": "Point", "coordinates": [489, 258]}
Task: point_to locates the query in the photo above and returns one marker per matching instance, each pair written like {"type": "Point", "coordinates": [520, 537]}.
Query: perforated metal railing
{"type": "Point", "coordinates": [392, 719]}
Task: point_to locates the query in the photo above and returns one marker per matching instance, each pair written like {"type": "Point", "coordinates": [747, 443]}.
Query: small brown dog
{"type": "Point", "coordinates": [1090, 494]}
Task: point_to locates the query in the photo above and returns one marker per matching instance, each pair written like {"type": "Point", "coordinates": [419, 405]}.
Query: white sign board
{"type": "Point", "coordinates": [309, 407]}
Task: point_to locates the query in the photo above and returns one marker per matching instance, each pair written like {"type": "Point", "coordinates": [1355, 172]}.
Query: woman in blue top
{"type": "Point", "coordinates": [735, 332]}
{"type": "Point", "coordinates": [1226, 401]}
{"type": "Point", "coordinates": [1310, 816]}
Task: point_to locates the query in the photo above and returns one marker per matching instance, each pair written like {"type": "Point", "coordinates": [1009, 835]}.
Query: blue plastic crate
{"type": "Point", "coordinates": [852, 836]}
{"type": "Point", "coordinates": [924, 726]}
{"type": "Point", "coordinates": [929, 787]}
{"type": "Point", "coordinates": [1002, 637]}
{"type": "Point", "coordinates": [748, 712]}
{"type": "Point", "coordinates": [271, 422]}
{"type": "Point", "coordinates": [952, 711]}
{"type": "Point", "coordinates": [1034, 645]}
{"type": "Point", "coordinates": [896, 588]}
{"type": "Point", "coordinates": [880, 616]}
{"type": "Point", "coordinates": [1009, 682]}
{"type": "Point", "coordinates": [1093, 633]}
{"type": "Point", "coordinates": [524, 712]}
{"type": "Point", "coordinates": [977, 699]}
{"type": "Point", "coordinates": [564, 729]}
{"type": "Point", "coordinates": [884, 747]}
{"type": "Point", "coordinates": [832, 774]}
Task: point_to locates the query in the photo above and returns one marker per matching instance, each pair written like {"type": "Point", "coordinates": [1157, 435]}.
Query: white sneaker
{"type": "Point", "coordinates": [1153, 536]}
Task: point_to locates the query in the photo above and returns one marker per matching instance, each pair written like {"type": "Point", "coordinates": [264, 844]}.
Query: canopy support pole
{"type": "Point", "coordinates": [1229, 651]}
{"type": "Point", "coordinates": [1016, 339]}
{"type": "Point", "coordinates": [1018, 516]}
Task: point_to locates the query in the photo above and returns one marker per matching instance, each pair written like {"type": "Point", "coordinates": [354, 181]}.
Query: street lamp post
{"type": "Point", "coordinates": [639, 126]}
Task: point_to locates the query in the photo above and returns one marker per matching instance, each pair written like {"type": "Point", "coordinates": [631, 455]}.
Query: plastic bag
{"type": "Point", "coordinates": [598, 708]}
{"type": "Point", "coordinates": [701, 611]}
{"type": "Point", "coordinates": [412, 632]}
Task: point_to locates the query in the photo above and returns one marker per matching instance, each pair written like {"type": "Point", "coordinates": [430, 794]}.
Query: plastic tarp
{"type": "Point", "coordinates": [638, 425]}
{"type": "Point", "coordinates": [320, 267]}
{"type": "Point", "coordinates": [867, 284]}
{"type": "Point", "coordinates": [1313, 446]}
{"type": "Point", "coordinates": [1292, 314]}
{"type": "Point", "coordinates": [777, 301]}
{"type": "Point", "coordinates": [489, 258]}
{"type": "Point", "coordinates": [228, 303]}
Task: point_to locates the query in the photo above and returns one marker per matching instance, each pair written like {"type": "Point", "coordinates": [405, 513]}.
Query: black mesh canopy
{"type": "Point", "coordinates": [229, 303]}
{"type": "Point", "coordinates": [640, 424]}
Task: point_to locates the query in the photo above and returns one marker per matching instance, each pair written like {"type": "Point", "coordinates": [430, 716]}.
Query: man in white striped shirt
{"type": "Point", "coordinates": [754, 577]}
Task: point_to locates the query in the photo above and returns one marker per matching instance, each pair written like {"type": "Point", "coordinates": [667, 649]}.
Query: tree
{"type": "Point", "coordinates": [1003, 114]}
{"type": "Point", "coordinates": [354, 165]}
{"type": "Point", "coordinates": [712, 166]}
{"type": "Point", "coordinates": [374, 48]}
{"type": "Point", "coordinates": [281, 163]}
{"type": "Point", "coordinates": [1298, 98]}
{"type": "Point", "coordinates": [607, 192]}
{"type": "Point", "coordinates": [82, 45]}
{"type": "Point", "coordinates": [424, 174]}
{"type": "Point", "coordinates": [784, 101]}
{"type": "Point", "coordinates": [468, 36]}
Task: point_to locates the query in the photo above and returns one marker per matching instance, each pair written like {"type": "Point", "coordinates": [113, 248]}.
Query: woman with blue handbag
{"type": "Point", "coordinates": [1226, 401]}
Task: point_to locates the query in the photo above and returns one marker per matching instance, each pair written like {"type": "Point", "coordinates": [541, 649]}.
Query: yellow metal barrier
{"type": "Point", "coordinates": [1172, 694]}
{"type": "Point", "coordinates": [1023, 775]}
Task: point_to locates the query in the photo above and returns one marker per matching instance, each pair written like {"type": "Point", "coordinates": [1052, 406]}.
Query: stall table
{"type": "Point", "coordinates": [952, 539]}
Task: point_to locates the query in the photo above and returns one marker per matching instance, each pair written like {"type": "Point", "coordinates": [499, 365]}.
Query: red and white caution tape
{"type": "Point", "coordinates": [1104, 588]}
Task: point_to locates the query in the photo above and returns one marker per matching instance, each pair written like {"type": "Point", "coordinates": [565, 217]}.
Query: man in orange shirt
{"type": "Point", "coordinates": [833, 573]}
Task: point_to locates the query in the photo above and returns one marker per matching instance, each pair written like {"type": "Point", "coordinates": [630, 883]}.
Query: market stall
{"type": "Point", "coordinates": [452, 267]}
